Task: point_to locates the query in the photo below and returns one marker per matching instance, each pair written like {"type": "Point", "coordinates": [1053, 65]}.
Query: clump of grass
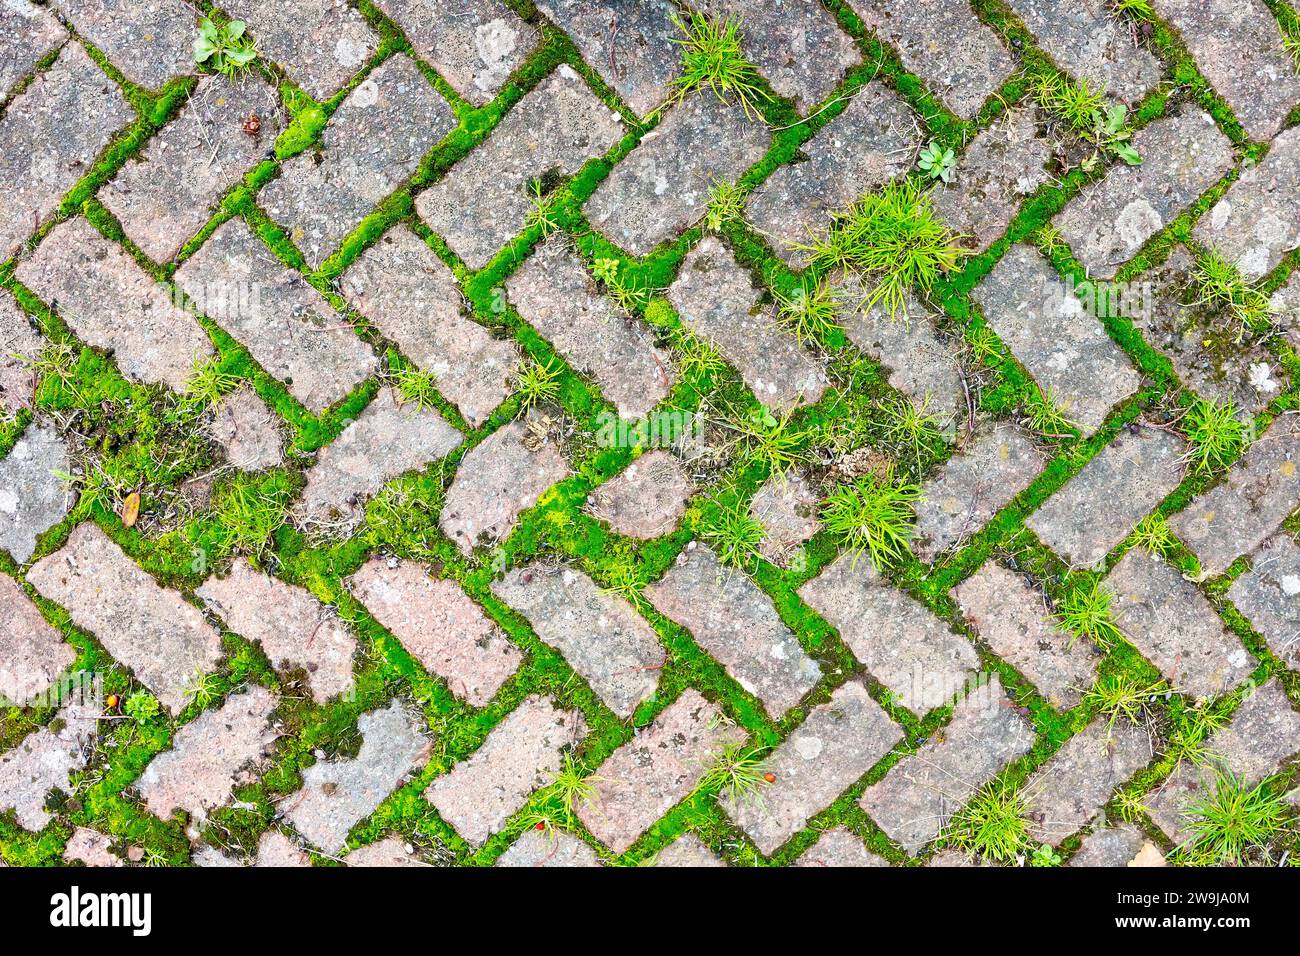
{"type": "Point", "coordinates": [713, 58]}
{"type": "Point", "coordinates": [993, 825]}
{"type": "Point", "coordinates": [1085, 612]}
{"type": "Point", "coordinates": [629, 293]}
{"type": "Point", "coordinates": [738, 775]}
{"type": "Point", "coordinates": [984, 344]}
{"type": "Point", "coordinates": [726, 203]}
{"type": "Point", "coordinates": [247, 517]}
{"type": "Point", "coordinates": [541, 212]}
{"type": "Point", "coordinates": [893, 237]}
{"type": "Point", "coordinates": [537, 383]}
{"type": "Point", "coordinates": [874, 515]}
{"type": "Point", "coordinates": [1085, 111]}
{"type": "Point", "coordinates": [1044, 416]}
{"type": "Point", "coordinates": [225, 47]}
{"type": "Point", "coordinates": [1131, 806]}
{"type": "Point", "coordinates": [1215, 432]}
{"type": "Point", "coordinates": [811, 311]}
{"type": "Point", "coordinates": [1190, 740]}
{"type": "Point", "coordinates": [696, 357]}
{"type": "Point", "coordinates": [1049, 240]}
{"type": "Point", "coordinates": [910, 428]}
{"type": "Point", "coordinates": [735, 535]}
{"type": "Point", "coordinates": [203, 690]}
{"type": "Point", "coordinates": [1218, 282]}
{"type": "Point", "coordinates": [418, 386]}
{"type": "Point", "coordinates": [574, 789]}
{"type": "Point", "coordinates": [1153, 533]}
{"type": "Point", "coordinates": [1235, 819]}
{"type": "Point", "coordinates": [774, 443]}
{"type": "Point", "coordinates": [1122, 697]}
{"type": "Point", "coordinates": [1138, 9]}
{"type": "Point", "coordinates": [207, 384]}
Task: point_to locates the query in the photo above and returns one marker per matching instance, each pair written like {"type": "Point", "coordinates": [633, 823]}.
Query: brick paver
{"type": "Point", "coordinates": [20, 346]}
{"type": "Point", "coordinates": [1269, 596]}
{"type": "Point", "coordinates": [33, 498]}
{"type": "Point", "coordinates": [111, 303]}
{"type": "Point", "coordinates": [736, 622]}
{"type": "Point", "coordinates": [148, 628]}
{"type": "Point", "coordinates": [150, 42]}
{"type": "Point", "coordinates": [372, 144]}
{"type": "Point", "coordinates": [32, 654]}
{"type": "Point", "coordinates": [646, 499]}
{"type": "Point", "coordinates": [485, 199]}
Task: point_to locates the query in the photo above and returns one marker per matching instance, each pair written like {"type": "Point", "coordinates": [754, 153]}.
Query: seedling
{"type": "Point", "coordinates": [1153, 533]}
{"type": "Point", "coordinates": [1045, 855]}
{"type": "Point", "coordinates": [420, 387]}
{"type": "Point", "coordinates": [937, 162]}
{"type": "Point", "coordinates": [726, 203]}
{"type": "Point", "coordinates": [909, 427]}
{"type": "Point", "coordinates": [225, 47]}
{"type": "Point", "coordinates": [605, 270]}
{"type": "Point", "coordinates": [542, 211]}
{"type": "Point", "coordinates": [142, 707]}
{"type": "Point", "coordinates": [874, 515]}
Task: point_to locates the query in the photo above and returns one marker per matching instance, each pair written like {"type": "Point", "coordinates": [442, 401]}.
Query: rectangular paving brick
{"type": "Point", "coordinates": [320, 43]}
{"type": "Point", "coordinates": [918, 797]}
{"type": "Point", "coordinates": [413, 298]}
{"type": "Point", "coordinates": [1264, 732]}
{"type": "Point", "coordinates": [167, 191]}
{"type": "Point", "coordinates": [111, 303]}
{"type": "Point", "coordinates": [798, 47]}
{"type": "Point", "coordinates": [554, 293]}
{"type": "Point", "coordinates": [600, 634]}
{"type": "Point", "coordinates": [867, 145]}
{"type": "Point", "coordinates": [1182, 156]}
{"type": "Point", "coordinates": [496, 482]}
{"type": "Point", "coordinates": [786, 506]}
{"type": "Point", "coordinates": [629, 44]}
{"type": "Point", "coordinates": [1254, 224]}
{"type": "Point", "coordinates": [50, 136]}
{"type": "Point", "coordinates": [148, 628]}
{"type": "Point", "coordinates": [646, 499]}
{"type": "Point", "coordinates": [650, 774]}
{"type": "Point", "coordinates": [484, 199]}
{"type": "Point", "coordinates": [474, 44]}
{"type": "Point", "coordinates": [1098, 507]}
{"type": "Point", "coordinates": [1238, 514]}
{"type": "Point", "coordinates": [385, 441]}
{"type": "Point", "coordinates": [28, 34]}
{"type": "Point", "coordinates": [287, 326]}
{"type": "Point", "coordinates": [1011, 616]}
{"type": "Point", "coordinates": [1269, 596]}
{"type": "Point", "coordinates": [1112, 847]}
{"type": "Point", "coordinates": [520, 755]}
{"type": "Point", "coordinates": [1087, 39]}
{"type": "Point", "coordinates": [553, 848]}
{"type": "Point", "coordinates": [839, 742]}
{"type": "Point", "coordinates": [209, 756]}
{"type": "Point", "coordinates": [1000, 168]}
{"type": "Point", "coordinates": [148, 40]}
{"type": "Point", "coordinates": [839, 848]}
{"type": "Point", "coordinates": [20, 346]}
{"type": "Point", "coordinates": [1237, 44]}
{"type": "Point", "coordinates": [972, 486]}
{"type": "Point", "coordinates": [901, 642]}
{"type": "Point", "coordinates": [372, 144]}
{"type": "Point", "coordinates": [663, 186]}
{"type": "Point", "coordinates": [32, 654]}
{"type": "Point", "coordinates": [717, 300]}
{"type": "Point", "coordinates": [336, 795]}
{"type": "Point", "coordinates": [1052, 335]}
{"type": "Point", "coordinates": [920, 359]}
{"type": "Point", "coordinates": [33, 498]}
{"type": "Point", "coordinates": [736, 622]}
{"type": "Point", "coordinates": [943, 42]}
{"type": "Point", "coordinates": [44, 761]}
{"type": "Point", "coordinates": [688, 851]}
{"type": "Point", "coordinates": [295, 630]}
{"type": "Point", "coordinates": [247, 430]}
{"type": "Point", "coordinates": [1076, 782]}
{"type": "Point", "coordinates": [1204, 341]}
{"type": "Point", "coordinates": [1167, 618]}
{"type": "Point", "coordinates": [437, 622]}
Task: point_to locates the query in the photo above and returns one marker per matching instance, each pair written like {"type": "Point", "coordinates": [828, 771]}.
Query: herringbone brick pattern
{"type": "Point", "coordinates": [410, 436]}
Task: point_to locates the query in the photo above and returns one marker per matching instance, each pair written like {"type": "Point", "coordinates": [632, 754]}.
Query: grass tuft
{"type": "Point", "coordinates": [735, 536]}
{"type": "Point", "coordinates": [1216, 434]}
{"type": "Point", "coordinates": [536, 383]}
{"type": "Point", "coordinates": [1085, 612]}
{"type": "Point", "coordinates": [893, 238]}
{"type": "Point", "coordinates": [713, 58]}
{"type": "Point", "coordinates": [738, 775]}
{"type": "Point", "coordinates": [993, 825]}
{"type": "Point", "coordinates": [811, 312]}
{"type": "Point", "coordinates": [874, 515]}
{"type": "Point", "coordinates": [1235, 819]}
